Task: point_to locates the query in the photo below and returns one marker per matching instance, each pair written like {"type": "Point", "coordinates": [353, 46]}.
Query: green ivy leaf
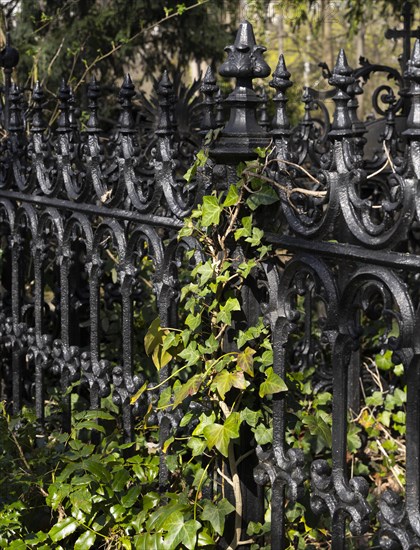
{"type": "Point", "coordinates": [225, 313]}
{"type": "Point", "coordinates": [204, 422]}
{"type": "Point", "coordinates": [216, 514]}
{"type": "Point", "coordinates": [211, 211]}
{"type": "Point", "coordinates": [318, 426]}
{"type": "Point", "coordinates": [384, 361]}
{"type": "Point", "coordinates": [63, 529]}
{"type": "Point", "coordinates": [134, 398]}
{"type": "Point", "coordinates": [245, 268]}
{"type": "Point", "coordinates": [246, 361]}
{"type": "Point", "coordinates": [375, 400]}
{"type": "Point", "coordinates": [149, 541]}
{"type": "Point", "coordinates": [225, 380]}
{"type": "Point", "coordinates": [85, 541]}
{"type": "Point", "coordinates": [250, 334]}
{"type": "Point", "coordinates": [272, 384]}
{"type": "Point", "coordinates": [190, 354]}
{"type": "Point", "coordinates": [153, 337]}
{"type": "Point", "coordinates": [210, 347]}
{"type": "Point", "coordinates": [250, 417]}
{"type": "Point", "coordinates": [189, 388]}
{"type": "Point", "coordinates": [205, 270]}
{"type": "Point", "coordinates": [193, 321]}
{"type": "Point", "coordinates": [204, 539]}
{"type": "Point", "coordinates": [219, 436]}
{"type": "Point", "coordinates": [353, 440]}
{"type": "Point", "coordinates": [168, 443]}
{"type": "Point", "coordinates": [385, 418]}
{"type": "Point", "coordinates": [160, 357]}
{"type": "Point", "coordinates": [201, 157]}
{"type": "Point", "coordinates": [232, 197]}
{"type": "Point", "coordinates": [265, 196]}
{"type": "Point", "coordinates": [255, 238]}
{"type": "Point", "coordinates": [246, 229]}
{"type": "Point", "coordinates": [187, 230]}
{"type": "Point", "coordinates": [263, 435]}
{"type": "Point", "coordinates": [180, 532]}
{"type": "Point", "coordinates": [197, 445]}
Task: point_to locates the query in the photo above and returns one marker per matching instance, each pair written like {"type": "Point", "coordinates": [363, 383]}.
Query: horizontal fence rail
{"type": "Point", "coordinates": [89, 231]}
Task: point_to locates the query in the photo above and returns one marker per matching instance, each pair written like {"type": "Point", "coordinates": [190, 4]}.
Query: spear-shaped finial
{"type": "Point", "coordinates": [242, 133]}
{"type": "Point", "coordinates": [38, 122]}
{"type": "Point", "coordinates": [93, 94]}
{"type": "Point", "coordinates": [127, 92]}
{"type": "Point", "coordinates": [341, 78]}
{"type": "Point", "coordinates": [166, 97]}
{"type": "Point", "coordinates": [63, 123]}
{"type": "Point", "coordinates": [209, 89]}
{"type": "Point", "coordinates": [280, 82]}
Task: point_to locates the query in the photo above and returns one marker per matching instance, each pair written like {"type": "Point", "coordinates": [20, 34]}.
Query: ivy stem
{"type": "Point", "coordinates": [199, 488]}
{"type": "Point", "coordinates": [236, 485]}
{"type": "Point", "coordinates": [169, 377]}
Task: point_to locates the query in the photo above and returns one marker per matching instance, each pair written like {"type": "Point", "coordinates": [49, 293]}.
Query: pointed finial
{"type": "Point", "coordinates": [63, 123]}
{"type": "Point", "coordinates": [245, 60]}
{"type": "Point", "coordinates": [73, 112]}
{"type": "Point", "coordinates": [93, 94]}
{"type": "Point", "coordinates": [281, 76]}
{"type": "Point", "coordinates": [127, 92]}
{"type": "Point", "coordinates": [341, 78]}
{"type": "Point", "coordinates": [308, 101]}
{"type": "Point", "coordinates": [64, 91]}
{"type": "Point", "coordinates": [220, 109]}
{"type": "Point", "coordinates": [165, 87]}
{"type": "Point", "coordinates": [38, 92]}
{"type": "Point", "coordinates": [166, 102]}
{"type": "Point", "coordinates": [280, 82]}
{"type": "Point", "coordinates": [15, 122]}
{"type": "Point", "coordinates": [245, 37]}
{"type": "Point", "coordinates": [209, 89]}
{"type": "Point", "coordinates": [38, 122]}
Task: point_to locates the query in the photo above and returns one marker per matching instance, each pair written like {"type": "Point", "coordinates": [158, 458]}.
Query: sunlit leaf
{"type": "Point", "coordinates": [272, 384]}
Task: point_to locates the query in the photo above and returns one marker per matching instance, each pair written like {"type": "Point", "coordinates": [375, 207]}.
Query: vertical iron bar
{"type": "Point", "coordinates": [413, 444]}
{"type": "Point", "coordinates": [94, 333]}
{"type": "Point", "coordinates": [38, 307]}
{"type": "Point", "coordinates": [65, 338]}
{"type": "Point", "coordinates": [17, 355]}
{"type": "Point", "coordinates": [127, 353]}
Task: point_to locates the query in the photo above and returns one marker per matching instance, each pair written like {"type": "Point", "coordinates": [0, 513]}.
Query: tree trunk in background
{"type": "Point", "coordinates": [326, 33]}
{"type": "Point", "coordinates": [280, 33]}
{"type": "Point", "coordinates": [360, 52]}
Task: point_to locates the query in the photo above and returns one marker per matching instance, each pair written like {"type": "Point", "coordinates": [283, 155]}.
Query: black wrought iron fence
{"type": "Point", "coordinates": [87, 219]}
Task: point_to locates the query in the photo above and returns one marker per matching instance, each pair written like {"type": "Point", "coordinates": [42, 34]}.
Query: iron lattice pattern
{"type": "Point", "coordinates": [87, 217]}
